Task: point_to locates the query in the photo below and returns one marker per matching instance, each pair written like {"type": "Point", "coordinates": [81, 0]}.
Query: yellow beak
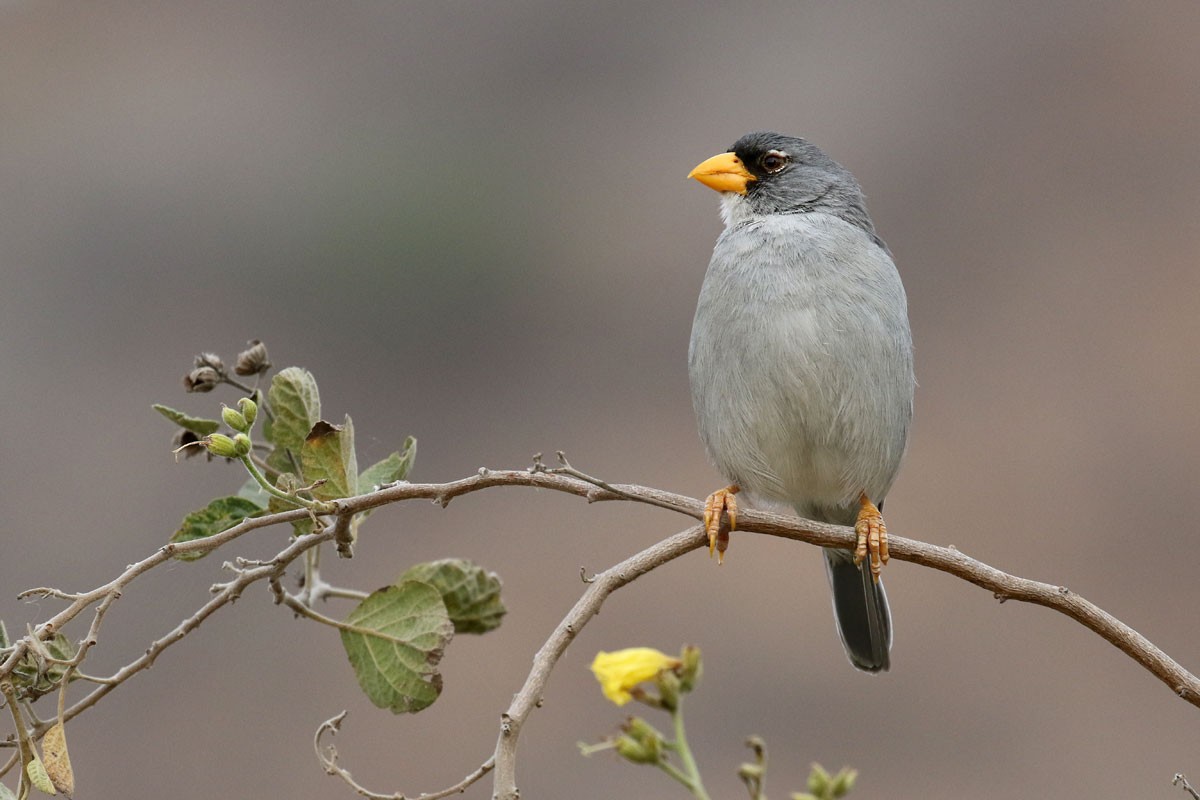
{"type": "Point", "coordinates": [723, 173]}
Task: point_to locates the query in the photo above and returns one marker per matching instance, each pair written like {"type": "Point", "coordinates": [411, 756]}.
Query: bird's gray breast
{"type": "Point", "coordinates": [801, 363]}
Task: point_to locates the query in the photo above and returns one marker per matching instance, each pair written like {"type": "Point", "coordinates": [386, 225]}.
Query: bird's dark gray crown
{"type": "Point", "coordinates": [808, 181]}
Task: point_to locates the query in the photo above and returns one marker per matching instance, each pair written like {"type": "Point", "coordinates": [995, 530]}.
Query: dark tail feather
{"type": "Point", "coordinates": [860, 609]}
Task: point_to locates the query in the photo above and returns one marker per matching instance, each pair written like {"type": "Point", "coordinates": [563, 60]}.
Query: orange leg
{"type": "Point", "coordinates": [872, 536]}
{"type": "Point", "coordinates": [719, 503]}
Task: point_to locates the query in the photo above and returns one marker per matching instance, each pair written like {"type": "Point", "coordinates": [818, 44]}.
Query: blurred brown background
{"type": "Point", "coordinates": [471, 222]}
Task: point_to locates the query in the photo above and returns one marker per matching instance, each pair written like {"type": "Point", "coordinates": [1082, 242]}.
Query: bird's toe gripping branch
{"type": "Point", "coordinates": [872, 536]}
{"type": "Point", "coordinates": [718, 504]}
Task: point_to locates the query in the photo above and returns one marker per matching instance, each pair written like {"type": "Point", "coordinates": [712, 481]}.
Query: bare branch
{"type": "Point", "coordinates": [110, 592]}
{"type": "Point", "coordinates": [945, 559]}
{"type": "Point", "coordinates": [568, 480]}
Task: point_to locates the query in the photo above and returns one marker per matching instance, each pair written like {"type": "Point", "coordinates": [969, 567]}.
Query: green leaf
{"type": "Point", "coordinates": [197, 425]}
{"type": "Point", "coordinates": [34, 676]}
{"type": "Point", "coordinates": [283, 460]}
{"type": "Point", "coordinates": [287, 482]}
{"type": "Point", "coordinates": [393, 468]}
{"type": "Point", "coordinates": [471, 594]}
{"type": "Point", "coordinates": [36, 771]}
{"type": "Point", "coordinates": [328, 454]}
{"type": "Point", "coordinates": [296, 404]}
{"type": "Point", "coordinates": [251, 491]}
{"type": "Point", "coordinates": [6, 793]}
{"type": "Point", "coordinates": [398, 638]}
{"type": "Point", "coordinates": [219, 515]}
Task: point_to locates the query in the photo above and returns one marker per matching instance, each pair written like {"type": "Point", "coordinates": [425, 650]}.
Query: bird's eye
{"type": "Point", "coordinates": [773, 161]}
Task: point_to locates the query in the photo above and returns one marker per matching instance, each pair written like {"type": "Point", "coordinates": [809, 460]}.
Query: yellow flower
{"type": "Point", "coordinates": [620, 671]}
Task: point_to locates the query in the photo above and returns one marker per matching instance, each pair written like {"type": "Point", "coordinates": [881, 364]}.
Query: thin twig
{"type": "Point", "coordinates": [110, 592]}
{"type": "Point", "coordinates": [329, 758]}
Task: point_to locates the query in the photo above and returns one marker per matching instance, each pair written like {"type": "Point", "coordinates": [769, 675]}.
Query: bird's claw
{"type": "Point", "coordinates": [872, 537]}
{"type": "Point", "coordinates": [718, 504]}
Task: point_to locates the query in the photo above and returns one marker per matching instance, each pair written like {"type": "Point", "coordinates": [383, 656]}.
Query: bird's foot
{"type": "Point", "coordinates": [872, 536]}
{"type": "Point", "coordinates": [718, 504]}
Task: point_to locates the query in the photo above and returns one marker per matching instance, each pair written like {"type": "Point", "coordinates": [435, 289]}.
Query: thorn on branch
{"type": "Point", "coordinates": [583, 576]}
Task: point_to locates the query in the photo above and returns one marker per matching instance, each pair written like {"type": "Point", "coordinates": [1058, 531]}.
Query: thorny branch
{"type": "Point", "coordinates": [569, 480]}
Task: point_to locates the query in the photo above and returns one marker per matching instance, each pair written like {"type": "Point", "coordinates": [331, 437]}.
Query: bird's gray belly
{"type": "Point", "coordinates": [796, 401]}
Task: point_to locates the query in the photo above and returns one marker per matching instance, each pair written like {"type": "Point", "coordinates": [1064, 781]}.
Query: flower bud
{"type": "Point", "coordinates": [818, 781]}
{"type": "Point", "coordinates": [253, 360]}
{"type": "Point", "coordinates": [640, 730]}
{"type": "Point", "coordinates": [201, 379]}
{"type": "Point", "coordinates": [249, 410]}
{"type": "Point", "coordinates": [210, 360]}
{"type": "Point", "coordinates": [751, 772]}
{"type": "Point", "coordinates": [843, 782]}
{"type": "Point", "coordinates": [242, 444]}
{"type": "Point", "coordinates": [220, 445]}
{"type": "Point", "coordinates": [668, 689]}
{"type": "Point", "coordinates": [638, 752]}
{"type": "Point", "coordinates": [690, 671]}
{"type": "Point", "coordinates": [234, 419]}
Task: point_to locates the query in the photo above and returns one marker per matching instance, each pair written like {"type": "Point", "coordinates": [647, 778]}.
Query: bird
{"type": "Point", "coordinates": [801, 364]}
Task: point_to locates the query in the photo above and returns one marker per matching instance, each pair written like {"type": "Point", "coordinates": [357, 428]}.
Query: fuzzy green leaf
{"type": "Point", "coordinates": [328, 454]}
{"type": "Point", "coordinates": [250, 490]}
{"type": "Point", "coordinates": [297, 407]}
{"type": "Point", "coordinates": [36, 771]}
{"type": "Point", "coordinates": [288, 482]}
{"type": "Point", "coordinates": [398, 638]}
{"type": "Point", "coordinates": [6, 793]}
{"type": "Point", "coordinates": [393, 468]}
{"type": "Point", "coordinates": [197, 425]}
{"type": "Point", "coordinates": [471, 593]}
{"type": "Point", "coordinates": [219, 515]}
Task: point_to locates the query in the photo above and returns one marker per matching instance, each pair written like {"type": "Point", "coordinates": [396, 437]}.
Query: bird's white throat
{"type": "Point", "coordinates": [735, 208]}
